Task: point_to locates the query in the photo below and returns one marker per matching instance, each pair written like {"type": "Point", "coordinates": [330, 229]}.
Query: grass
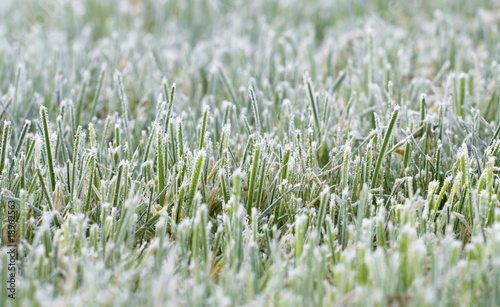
{"type": "Point", "coordinates": [308, 154]}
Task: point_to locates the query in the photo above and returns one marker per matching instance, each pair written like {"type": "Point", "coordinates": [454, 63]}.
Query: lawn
{"type": "Point", "coordinates": [250, 153]}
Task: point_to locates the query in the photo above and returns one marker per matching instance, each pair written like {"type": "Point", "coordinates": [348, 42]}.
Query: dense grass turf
{"type": "Point", "coordinates": [259, 153]}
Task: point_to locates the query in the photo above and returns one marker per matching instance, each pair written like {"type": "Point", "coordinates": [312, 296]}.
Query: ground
{"type": "Point", "coordinates": [254, 153]}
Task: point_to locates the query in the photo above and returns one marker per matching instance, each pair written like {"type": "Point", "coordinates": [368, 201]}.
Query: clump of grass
{"type": "Point", "coordinates": [381, 155]}
{"type": "Point", "coordinates": [5, 143]}
{"type": "Point", "coordinates": [195, 177]}
{"type": "Point", "coordinates": [48, 147]}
